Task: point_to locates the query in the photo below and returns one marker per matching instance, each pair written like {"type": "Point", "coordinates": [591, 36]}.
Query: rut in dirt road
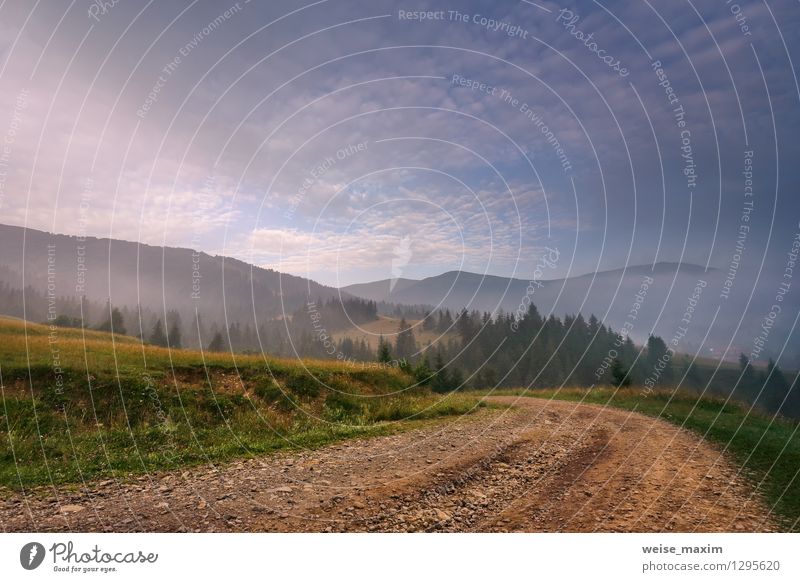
{"type": "Point", "coordinates": [537, 466]}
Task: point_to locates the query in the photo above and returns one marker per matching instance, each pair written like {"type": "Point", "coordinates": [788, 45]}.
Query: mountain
{"type": "Point", "coordinates": [157, 278]}
{"type": "Point", "coordinates": [677, 301]}
{"type": "Point", "coordinates": [456, 289]}
{"type": "Point", "coordinates": [640, 299]}
{"type": "Point", "coordinates": [380, 290]}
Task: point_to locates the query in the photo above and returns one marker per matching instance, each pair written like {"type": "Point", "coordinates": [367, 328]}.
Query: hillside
{"type": "Point", "coordinates": [147, 430]}
{"type": "Point", "coordinates": [156, 278]}
{"type": "Point", "coordinates": [87, 405]}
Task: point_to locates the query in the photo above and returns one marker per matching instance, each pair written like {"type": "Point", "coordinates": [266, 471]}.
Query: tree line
{"type": "Point", "coordinates": [477, 350]}
{"type": "Point", "coordinates": [469, 349]}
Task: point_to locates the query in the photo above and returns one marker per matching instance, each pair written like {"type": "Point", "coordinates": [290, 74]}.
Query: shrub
{"type": "Point", "coordinates": [269, 391]}
{"type": "Point", "coordinates": [341, 407]}
{"type": "Point", "coordinates": [303, 384]}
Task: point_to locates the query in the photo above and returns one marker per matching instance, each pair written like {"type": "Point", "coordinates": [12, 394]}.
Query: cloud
{"type": "Point", "coordinates": [468, 175]}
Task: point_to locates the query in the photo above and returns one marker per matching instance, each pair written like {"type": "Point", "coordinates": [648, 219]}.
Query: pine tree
{"type": "Point", "coordinates": [405, 345]}
{"type": "Point", "coordinates": [744, 362]}
{"type": "Point", "coordinates": [201, 331]}
{"type": "Point", "coordinates": [174, 335]}
{"type": "Point", "coordinates": [619, 374]}
{"type": "Point", "coordinates": [157, 336]}
{"type": "Point", "coordinates": [791, 407]}
{"type": "Point", "coordinates": [105, 325]}
{"type": "Point", "coordinates": [217, 343]}
{"type": "Point", "coordinates": [465, 326]}
{"type": "Point", "coordinates": [776, 388]}
{"type": "Point", "coordinates": [384, 353]}
{"type": "Point", "coordinates": [235, 336]}
{"type": "Point", "coordinates": [445, 321]}
{"type": "Point", "coordinates": [114, 322]}
{"type": "Point", "coordinates": [456, 380]}
{"type": "Point", "coordinates": [749, 383]}
{"type": "Point", "coordinates": [692, 376]}
{"type": "Point", "coordinates": [658, 359]}
{"type": "Point", "coordinates": [441, 379]}
{"type": "Point", "coordinates": [422, 373]}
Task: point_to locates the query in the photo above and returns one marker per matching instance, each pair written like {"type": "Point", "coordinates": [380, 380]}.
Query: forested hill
{"type": "Point", "coordinates": [157, 278]}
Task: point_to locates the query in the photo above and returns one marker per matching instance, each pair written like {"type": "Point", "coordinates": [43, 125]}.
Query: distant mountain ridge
{"type": "Point", "coordinates": [382, 290]}
{"type": "Point", "coordinates": [130, 273]}
{"type": "Point", "coordinates": [225, 290]}
{"type": "Point", "coordinates": [659, 294]}
{"type": "Point", "coordinates": [413, 291]}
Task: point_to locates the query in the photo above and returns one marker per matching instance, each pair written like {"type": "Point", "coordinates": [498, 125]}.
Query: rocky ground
{"type": "Point", "coordinates": [536, 466]}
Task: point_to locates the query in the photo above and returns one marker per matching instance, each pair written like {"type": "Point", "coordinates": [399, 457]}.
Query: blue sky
{"type": "Point", "coordinates": [331, 139]}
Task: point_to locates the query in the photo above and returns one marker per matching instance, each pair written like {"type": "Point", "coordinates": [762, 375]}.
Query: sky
{"type": "Point", "coordinates": [354, 141]}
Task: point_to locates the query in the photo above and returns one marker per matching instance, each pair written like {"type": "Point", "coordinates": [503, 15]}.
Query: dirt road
{"type": "Point", "coordinates": [537, 466]}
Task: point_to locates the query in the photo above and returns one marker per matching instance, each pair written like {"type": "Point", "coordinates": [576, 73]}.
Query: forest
{"type": "Point", "coordinates": [471, 350]}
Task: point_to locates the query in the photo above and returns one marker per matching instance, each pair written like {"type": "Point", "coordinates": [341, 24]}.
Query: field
{"type": "Point", "coordinates": [388, 327]}
{"type": "Point", "coordinates": [85, 405]}
{"type": "Point", "coordinates": [80, 406]}
{"type": "Point", "coordinates": [768, 450]}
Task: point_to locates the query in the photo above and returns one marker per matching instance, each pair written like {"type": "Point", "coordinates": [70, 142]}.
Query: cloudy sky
{"type": "Point", "coordinates": [352, 141]}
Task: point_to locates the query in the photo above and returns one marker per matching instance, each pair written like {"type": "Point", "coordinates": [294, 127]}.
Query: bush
{"type": "Point", "coordinates": [269, 391]}
{"type": "Point", "coordinates": [342, 407]}
{"type": "Point", "coordinates": [303, 384]}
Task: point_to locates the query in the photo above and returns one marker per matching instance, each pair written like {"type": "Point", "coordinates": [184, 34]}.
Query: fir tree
{"type": "Point", "coordinates": [405, 345]}
{"type": "Point", "coordinates": [441, 379]}
{"type": "Point", "coordinates": [217, 344]}
{"type": "Point", "coordinates": [776, 388]}
{"type": "Point", "coordinates": [384, 353]}
{"type": "Point", "coordinates": [422, 372]}
{"type": "Point", "coordinates": [619, 374]}
{"type": "Point", "coordinates": [456, 380]}
{"type": "Point", "coordinates": [174, 335]}
{"type": "Point", "coordinates": [115, 322]}
{"type": "Point", "coordinates": [157, 337]}
{"type": "Point", "coordinates": [658, 359]}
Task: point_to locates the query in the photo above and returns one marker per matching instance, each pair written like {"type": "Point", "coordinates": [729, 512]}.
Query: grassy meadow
{"type": "Point", "coordinates": [387, 326]}
{"type": "Point", "coordinates": [79, 405]}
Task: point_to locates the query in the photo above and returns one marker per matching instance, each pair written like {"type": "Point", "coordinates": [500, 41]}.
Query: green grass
{"type": "Point", "coordinates": [107, 414]}
{"type": "Point", "coordinates": [768, 450]}
{"type": "Point", "coordinates": [78, 407]}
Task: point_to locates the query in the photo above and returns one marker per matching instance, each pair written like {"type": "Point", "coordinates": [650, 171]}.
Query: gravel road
{"type": "Point", "coordinates": [526, 465]}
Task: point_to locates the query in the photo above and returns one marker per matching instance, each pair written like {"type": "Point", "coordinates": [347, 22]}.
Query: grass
{"type": "Point", "coordinates": [78, 407]}
{"type": "Point", "coordinates": [81, 406]}
{"type": "Point", "coordinates": [388, 327]}
{"type": "Point", "coordinates": [767, 449]}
